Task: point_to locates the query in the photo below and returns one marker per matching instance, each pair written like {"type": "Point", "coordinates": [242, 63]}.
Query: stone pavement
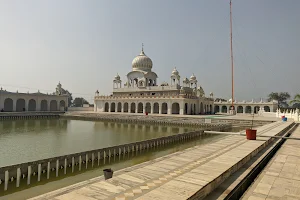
{"type": "Point", "coordinates": [281, 177]}
{"type": "Point", "coordinates": [193, 172]}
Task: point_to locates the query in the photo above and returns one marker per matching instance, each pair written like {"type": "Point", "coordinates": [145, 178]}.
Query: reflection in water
{"type": "Point", "coordinates": [29, 140]}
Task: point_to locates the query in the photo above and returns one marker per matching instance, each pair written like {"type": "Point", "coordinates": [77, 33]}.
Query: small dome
{"type": "Point", "coordinates": [193, 77]}
{"type": "Point", "coordinates": [117, 77]}
{"type": "Point", "coordinates": [142, 62]}
{"type": "Point", "coordinates": [175, 72]}
{"type": "Point", "coordinates": [211, 94]}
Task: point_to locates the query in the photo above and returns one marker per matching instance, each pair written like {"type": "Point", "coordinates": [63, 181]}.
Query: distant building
{"type": "Point", "coordinates": [245, 107]}
{"type": "Point", "coordinates": [20, 102]}
{"type": "Point", "coordinates": [142, 94]}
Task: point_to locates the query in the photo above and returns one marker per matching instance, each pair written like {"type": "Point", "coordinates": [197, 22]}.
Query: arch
{"type": "Point", "coordinates": [217, 108]}
{"type": "Point", "coordinates": [20, 105]}
{"type": "Point", "coordinates": [125, 109]}
{"type": "Point", "coordinates": [256, 109]}
{"type": "Point", "coordinates": [164, 108]}
{"type": "Point", "coordinates": [132, 108]}
{"type": "Point", "coordinates": [248, 109]}
{"type": "Point", "coordinates": [148, 107]}
{"type": "Point", "coordinates": [192, 109]}
{"type": "Point", "coordinates": [224, 109]}
{"type": "Point", "coordinates": [267, 109]}
{"type": "Point", "coordinates": [210, 109]}
{"type": "Point", "coordinates": [140, 108]}
{"type": "Point", "coordinates": [185, 108]}
{"type": "Point", "coordinates": [119, 107]}
{"type": "Point", "coordinates": [201, 108]}
{"type": "Point", "coordinates": [106, 107]}
{"type": "Point", "coordinates": [53, 105]}
{"type": "Point", "coordinates": [113, 107]}
{"type": "Point", "coordinates": [195, 109]}
{"type": "Point", "coordinates": [44, 105]}
{"type": "Point", "coordinates": [175, 108]}
{"type": "Point", "coordinates": [156, 108]}
{"type": "Point", "coordinates": [240, 109]}
{"type": "Point", "coordinates": [8, 105]}
{"type": "Point", "coordinates": [32, 105]}
{"type": "Point", "coordinates": [62, 105]}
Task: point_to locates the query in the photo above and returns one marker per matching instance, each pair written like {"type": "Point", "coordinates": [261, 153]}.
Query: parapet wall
{"type": "Point", "coordinates": [29, 115]}
{"type": "Point", "coordinates": [166, 120]}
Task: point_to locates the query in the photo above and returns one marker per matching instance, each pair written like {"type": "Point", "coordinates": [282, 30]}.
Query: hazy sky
{"type": "Point", "coordinates": [85, 43]}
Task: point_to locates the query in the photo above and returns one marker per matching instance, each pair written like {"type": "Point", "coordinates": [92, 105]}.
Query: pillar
{"type": "Point", "coordinates": [80, 161]}
{"type": "Point", "coordinates": [73, 164]}
{"type": "Point", "coordinates": [14, 105]}
{"type": "Point", "coordinates": [26, 104]}
{"type": "Point", "coordinates": [48, 105]}
{"type": "Point", "coordinates": [48, 170]}
{"type": "Point", "coordinates": [160, 108]}
{"type": "Point", "coordinates": [18, 177]}
{"type": "Point", "coordinates": [29, 175]}
{"type": "Point", "coordinates": [39, 172]}
{"type": "Point", "coordinates": [65, 167]}
{"type": "Point", "coordinates": [57, 167]}
{"type": "Point", "coordinates": [169, 109]}
{"type": "Point", "coordinates": [181, 111]}
{"type": "Point", "coordinates": [6, 176]}
{"type": "Point", "coordinates": [152, 108]}
{"type": "Point", "coordinates": [136, 107]}
{"type": "Point", "coordinates": [144, 107]}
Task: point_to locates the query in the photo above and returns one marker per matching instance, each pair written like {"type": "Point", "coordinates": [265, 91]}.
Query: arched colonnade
{"type": "Point", "coordinates": [22, 105]}
{"type": "Point", "coordinates": [245, 109]}
{"type": "Point", "coordinates": [157, 107]}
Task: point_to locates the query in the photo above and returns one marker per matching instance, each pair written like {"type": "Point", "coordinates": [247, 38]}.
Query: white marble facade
{"type": "Point", "coordinates": [244, 107]}
{"type": "Point", "coordinates": [142, 94]}
{"type": "Point", "coordinates": [23, 102]}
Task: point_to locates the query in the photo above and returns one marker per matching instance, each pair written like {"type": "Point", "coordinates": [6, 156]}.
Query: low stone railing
{"type": "Point", "coordinates": [29, 115]}
{"type": "Point", "coordinates": [53, 167]}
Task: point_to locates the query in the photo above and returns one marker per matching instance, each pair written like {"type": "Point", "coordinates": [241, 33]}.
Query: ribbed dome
{"type": "Point", "coordinates": [193, 77]}
{"type": "Point", "coordinates": [175, 72]}
{"type": "Point", "coordinates": [142, 62]}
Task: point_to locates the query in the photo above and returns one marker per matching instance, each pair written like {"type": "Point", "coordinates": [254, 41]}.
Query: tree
{"type": "Point", "coordinates": [280, 97]}
{"type": "Point", "coordinates": [70, 98]}
{"type": "Point", "coordinates": [79, 101]}
{"type": "Point", "coordinates": [295, 103]}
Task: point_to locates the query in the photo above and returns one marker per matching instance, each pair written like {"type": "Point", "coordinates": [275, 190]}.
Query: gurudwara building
{"type": "Point", "coordinates": [141, 93]}
{"type": "Point", "coordinates": [23, 102]}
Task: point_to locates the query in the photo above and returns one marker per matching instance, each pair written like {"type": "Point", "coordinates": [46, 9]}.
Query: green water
{"type": "Point", "coordinates": [28, 140]}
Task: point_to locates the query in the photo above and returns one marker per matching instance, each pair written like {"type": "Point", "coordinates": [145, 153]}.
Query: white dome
{"type": "Point", "coordinates": [175, 72]}
{"type": "Point", "coordinates": [117, 77]}
{"type": "Point", "coordinates": [142, 62]}
{"type": "Point", "coordinates": [193, 77]}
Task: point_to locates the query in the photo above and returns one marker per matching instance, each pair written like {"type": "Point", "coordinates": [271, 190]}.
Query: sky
{"type": "Point", "coordinates": [85, 43]}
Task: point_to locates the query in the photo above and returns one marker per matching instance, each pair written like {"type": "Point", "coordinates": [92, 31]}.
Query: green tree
{"type": "Point", "coordinates": [281, 97]}
{"type": "Point", "coordinates": [79, 101]}
{"type": "Point", "coordinates": [295, 103]}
